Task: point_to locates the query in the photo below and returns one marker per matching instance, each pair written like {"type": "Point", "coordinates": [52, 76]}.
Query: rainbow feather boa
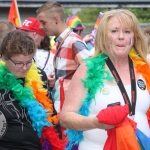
{"type": "Point", "coordinates": [94, 81]}
{"type": "Point", "coordinates": [34, 97]}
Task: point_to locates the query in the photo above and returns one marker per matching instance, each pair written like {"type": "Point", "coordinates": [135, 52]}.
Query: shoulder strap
{"type": "Point", "coordinates": [46, 61]}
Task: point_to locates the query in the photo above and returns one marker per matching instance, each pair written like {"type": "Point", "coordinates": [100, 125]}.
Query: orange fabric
{"type": "Point", "coordinates": [144, 69]}
{"type": "Point", "coordinates": [42, 98]}
{"type": "Point", "coordinates": [53, 50]}
{"type": "Point", "coordinates": [125, 136]}
{"type": "Point", "coordinates": [13, 15]}
{"type": "Point", "coordinates": [148, 114]}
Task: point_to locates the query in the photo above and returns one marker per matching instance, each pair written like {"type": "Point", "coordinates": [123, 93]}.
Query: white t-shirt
{"type": "Point", "coordinates": [41, 58]}
{"type": "Point", "coordinates": [95, 139]}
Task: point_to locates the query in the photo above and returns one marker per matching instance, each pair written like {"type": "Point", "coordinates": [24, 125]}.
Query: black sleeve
{"type": "Point", "coordinates": [46, 86]}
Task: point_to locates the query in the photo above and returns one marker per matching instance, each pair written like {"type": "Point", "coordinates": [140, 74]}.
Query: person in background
{"type": "Point", "coordinates": [148, 50]}
{"type": "Point", "coordinates": [5, 28]}
{"type": "Point", "coordinates": [27, 114]}
{"type": "Point", "coordinates": [74, 22]}
{"type": "Point", "coordinates": [117, 75]}
{"type": "Point", "coordinates": [70, 49]}
{"type": "Point", "coordinates": [147, 31]}
{"type": "Point", "coordinates": [31, 25]}
{"type": "Point", "coordinates": [44, 57]}
{"type": "Point", "coordinates": [147, 35]}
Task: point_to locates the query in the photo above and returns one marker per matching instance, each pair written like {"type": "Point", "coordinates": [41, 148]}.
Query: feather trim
{"type": "Point", "coordinates": [33, 97]}
{"type": "Point", "coordinates": [96, 73]}
{"type": "Point", "coordinates": [52, 137]}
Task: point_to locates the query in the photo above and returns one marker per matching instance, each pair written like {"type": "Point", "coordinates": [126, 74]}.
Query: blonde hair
{"type": "Point", "coordinates": [51, 8]}
{"type": "Point", "coordinates": [128, 20]}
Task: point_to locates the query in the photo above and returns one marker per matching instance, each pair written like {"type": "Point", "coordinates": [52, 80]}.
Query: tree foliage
{"type": "Point", "coordinates": [142, 14]}
{"type": "Point", "coordinates": [89, 15]}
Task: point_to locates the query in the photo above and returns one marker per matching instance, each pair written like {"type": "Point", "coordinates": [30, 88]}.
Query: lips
{"type": "Point", "coordinates": [120, 45]}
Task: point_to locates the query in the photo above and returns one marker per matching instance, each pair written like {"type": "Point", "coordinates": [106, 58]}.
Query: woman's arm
{"type": "Point", "coordinates": [73, 101]}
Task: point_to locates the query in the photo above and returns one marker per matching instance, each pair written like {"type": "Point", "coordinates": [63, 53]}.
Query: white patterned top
{"type": "Point", "coordinates": [41, 58]}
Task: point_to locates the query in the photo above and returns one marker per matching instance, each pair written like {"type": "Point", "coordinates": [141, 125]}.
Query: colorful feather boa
{"type": "Point", "coordinates": [95, 76]}
{"type": "Point", "coordinates": [34, 97]}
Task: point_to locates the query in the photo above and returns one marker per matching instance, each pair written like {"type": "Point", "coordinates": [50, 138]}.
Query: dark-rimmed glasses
{"type": "Point", "coordinates": [20, 65]}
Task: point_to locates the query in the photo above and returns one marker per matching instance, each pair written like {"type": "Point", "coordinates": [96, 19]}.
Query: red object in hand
{"type": "Point", "coordinates": [123, 136]}
{"type": "Point", "coordinates": [113, 115]}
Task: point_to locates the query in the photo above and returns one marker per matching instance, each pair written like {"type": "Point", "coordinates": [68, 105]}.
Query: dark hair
{"type": "Point", "coordinates": [75, 31]}
{"type": "Point", "coordinates": [17, 42]}
{"type": "Point", "coordinates": [45, 44]}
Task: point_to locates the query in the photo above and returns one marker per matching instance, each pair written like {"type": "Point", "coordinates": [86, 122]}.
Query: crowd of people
{"type": "Point", "coordinates": [101, 100]}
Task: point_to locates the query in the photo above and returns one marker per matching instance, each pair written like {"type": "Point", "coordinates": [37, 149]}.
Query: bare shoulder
{"type": "Point", "coordinates": [76, 91]}
{"type": "Point", "coordinates": [81, 71]}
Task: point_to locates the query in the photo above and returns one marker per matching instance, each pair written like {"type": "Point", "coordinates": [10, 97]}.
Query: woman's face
{"type": "Point", "coordinates": [119, 39]}
{"type": "Point", "coordinates": [19, 64]}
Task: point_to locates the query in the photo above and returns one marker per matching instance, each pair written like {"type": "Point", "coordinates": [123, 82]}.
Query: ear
{"type": "Point", "coordinates": [33, 35]}
{"type": "Point", "coordinates": [56, 19]}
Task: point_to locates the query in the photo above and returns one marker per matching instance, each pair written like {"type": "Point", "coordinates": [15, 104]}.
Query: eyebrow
{"type": "Point", "coordinates": [17, 61]}
{"type": "Point", "coordinates": [42, 21]}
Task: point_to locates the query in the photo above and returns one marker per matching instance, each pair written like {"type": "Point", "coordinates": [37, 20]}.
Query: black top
{"type": "Point", "coordinates": [16, 131]}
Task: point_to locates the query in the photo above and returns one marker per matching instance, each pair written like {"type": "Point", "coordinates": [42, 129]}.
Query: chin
{"type": "Point", "coordinates": [21, 75]}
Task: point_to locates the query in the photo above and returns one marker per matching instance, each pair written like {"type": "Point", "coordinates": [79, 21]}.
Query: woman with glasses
{"type": "Point", "coordinates": [27, 114]}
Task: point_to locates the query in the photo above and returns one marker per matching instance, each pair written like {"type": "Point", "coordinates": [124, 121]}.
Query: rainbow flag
{"type": "Point", "coordinates": [90, 44]}
{"type": "Point", "coordinates": [13, 15]}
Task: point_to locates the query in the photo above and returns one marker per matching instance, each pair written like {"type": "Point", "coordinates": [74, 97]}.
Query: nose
{"type": "Point", "coordinates": [121, 35]}
{"type": "Point", "coordinates": [25, 67]}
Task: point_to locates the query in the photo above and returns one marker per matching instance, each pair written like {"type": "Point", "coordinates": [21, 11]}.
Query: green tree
{"type": "Point", "coordinates": [143, 14]}
{"type": "Point", "coordinates": [89, 15]}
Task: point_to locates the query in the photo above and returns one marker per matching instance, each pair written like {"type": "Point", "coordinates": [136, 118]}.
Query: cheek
{"type": "Point", "coordinates": [110, 41]}
{"type": "Point", "coordinates": [11, 69]}
{"type": "Point", "coordinates": [130, 41]}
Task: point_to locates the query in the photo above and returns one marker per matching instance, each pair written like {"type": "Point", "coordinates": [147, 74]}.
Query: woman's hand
{"type": "Point", "coordinates": [102, 125]}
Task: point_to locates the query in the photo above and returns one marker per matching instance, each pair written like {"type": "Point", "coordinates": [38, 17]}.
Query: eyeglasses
{"type": "Point", "coordinates": [20, 65]}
